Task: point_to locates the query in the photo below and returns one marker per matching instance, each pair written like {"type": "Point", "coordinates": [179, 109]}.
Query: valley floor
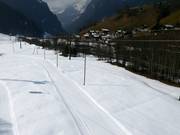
{"type": "Point", "coordinates": [37, 98]}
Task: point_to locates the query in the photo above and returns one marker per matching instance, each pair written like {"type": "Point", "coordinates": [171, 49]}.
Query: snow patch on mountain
{"type": "Point", "coordinates": [59, 6]}
{"type": "Point", "coordinates": [80, 5]}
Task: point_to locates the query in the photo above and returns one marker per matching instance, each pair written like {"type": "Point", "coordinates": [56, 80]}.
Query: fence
{"type": "Point", "coordinates": [158, 59]}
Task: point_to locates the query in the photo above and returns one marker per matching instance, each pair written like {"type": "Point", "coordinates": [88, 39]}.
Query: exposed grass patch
{"type": "Point", "coordinates": [173, 18]}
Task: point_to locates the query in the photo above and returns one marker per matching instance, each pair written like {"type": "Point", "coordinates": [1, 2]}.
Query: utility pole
{"type": "Point", "coordinates": [70, 50]}
{"type": "Point", "coordinates": [57, 59]}
{"type": "Point", "coordinates": [20, 44]}
{"type": "Point", "coordinates": [85, 63]}
{"type": "Point", "coordinates": [44, 49]}
{"type": "Point", "coordinates": [85, 66]}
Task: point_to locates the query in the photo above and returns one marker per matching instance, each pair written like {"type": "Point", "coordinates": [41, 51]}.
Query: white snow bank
{"type": "Point", "coordinates": [114, 101]}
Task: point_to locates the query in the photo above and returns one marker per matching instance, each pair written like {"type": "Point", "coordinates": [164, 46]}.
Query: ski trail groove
{"type": "Point", "coordinates": [120, 125]}
{"type": "Point", "coordinates": [65, 103]}
{"type": "Point", "coordinates": [102, 108]}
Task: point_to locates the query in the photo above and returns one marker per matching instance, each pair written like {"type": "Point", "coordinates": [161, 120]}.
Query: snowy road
{"type": "Point", "coordinates": [38, 99]}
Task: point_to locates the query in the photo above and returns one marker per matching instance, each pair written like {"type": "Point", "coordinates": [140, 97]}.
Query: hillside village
{"type": "Point", "coordinates": [105, 34]}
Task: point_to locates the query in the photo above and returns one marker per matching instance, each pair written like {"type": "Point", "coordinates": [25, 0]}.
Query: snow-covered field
{"type": "Point", "coordinates": [37, 98]}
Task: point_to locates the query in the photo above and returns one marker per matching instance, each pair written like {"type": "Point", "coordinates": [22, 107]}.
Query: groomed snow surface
{"type": "Point", "coordinates": [37, 98]}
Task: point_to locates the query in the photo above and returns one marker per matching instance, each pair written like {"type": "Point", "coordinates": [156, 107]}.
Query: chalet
{"type": "Point", "coordinates": [96, 37]}
{"type": "Point", "coordinates": [77, 36]}
{"type": "Point", "coordinates": [168, 27]}
{"type": "Point", "coordinates": [119, 31]}
{"type": "Point", "coordinates": [86, 35]}
{"type": "Point", "coordinates": [91, 31]}
{"type": "Point", "coordinates": [105, 31]}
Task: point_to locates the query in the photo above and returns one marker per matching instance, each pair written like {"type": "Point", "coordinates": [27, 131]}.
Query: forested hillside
{"type": "Point", "coordinates": [166, 12]}
{"type": "Point", "coordinates": [39, 12]}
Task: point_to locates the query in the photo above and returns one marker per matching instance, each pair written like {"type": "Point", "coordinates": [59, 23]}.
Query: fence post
{"type": "Point", "coordinates": [20, 45]}
{"type": "Point", "coordinates": [37, 50]}
{"type": "Point", "coordinates": [44, 54]}
{"type": "Point", "coordinates": [85, 62]}
{"type": "Point", "coordinates": [13, 47]}
{"type": "Point", "coordinates": [70, 50]}
{"type": "Point", "coordinates": [34, 50]}
{"type": "Point", "coordinates": [57, 59]}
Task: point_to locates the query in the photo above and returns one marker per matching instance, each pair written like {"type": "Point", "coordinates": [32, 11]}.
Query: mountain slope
{"type": "Point", "coordinates": [128, 19]}
{"type": "Point", "coordinates": [13, 22]}
{"type": "Point", "coordinates": [148, 14]}
{"type": "Point", "coordinates": [96, 10]}
{"type": "Point", "coordinates": [100, 9]}
{"type": "Point", "coordinates": [39, 13]}
{"type": "Point", "coordinates": [173, 18]}
{"type": "Point", "coordinates": [68, 16]}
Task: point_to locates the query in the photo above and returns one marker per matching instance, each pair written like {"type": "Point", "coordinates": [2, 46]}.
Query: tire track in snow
{"type": "Point", "coordinates": [87, 132]}
{"type": "Point", "coordinates": [120, 125]}
{"type": "Point", "coordinates": [108, 114]}
{"type": "Point", "coordinates": [5, 128]}
{"type": "Point", "coordinates": [12, 113]}
{"type": "Point", "coordinates": [126, 131]}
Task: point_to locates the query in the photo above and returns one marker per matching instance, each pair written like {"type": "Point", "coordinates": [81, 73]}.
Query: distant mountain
{"type": "Point", "coordinates": [72, 13]}
{"type": "Point", "coordinates": [58, 6]}
{"type": "Point", "coordinates": [13, 22]}
{"type": "Point", "coordinates": [68, 16]}
{"type": "Point", "coordinates": [97, 10]}
{"type": "Point", "coordinates": [39, 13]}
